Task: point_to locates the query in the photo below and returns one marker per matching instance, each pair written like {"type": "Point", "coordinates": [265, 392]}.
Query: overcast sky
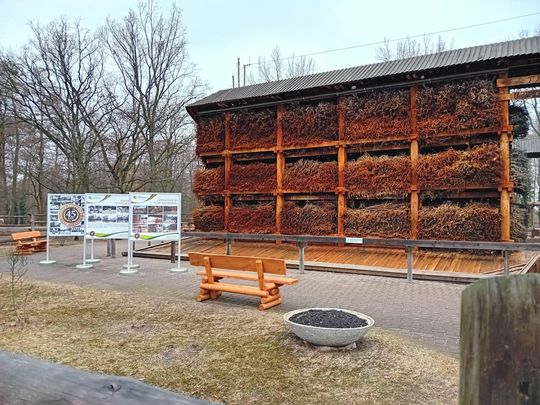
{"type": "Point", "coordinates": [221, 31]}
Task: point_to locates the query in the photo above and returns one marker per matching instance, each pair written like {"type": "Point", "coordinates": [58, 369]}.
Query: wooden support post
{"type": "Point", "coordinates": [342, 161]}
{"type": "Point", "coordinates": [228, 166]}
{"type": "Point", "coordinates": [505, 187]}
{"type": "Point", "coordinates": [280, 168]}
{"type": "Point", "coordinates": [500, 326]}
{"type": "Point", "coordinates": [415, 201]}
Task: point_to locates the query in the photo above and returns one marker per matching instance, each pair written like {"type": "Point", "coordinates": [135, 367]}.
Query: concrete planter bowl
{"type": "Point", "coordinates": [332, 337]}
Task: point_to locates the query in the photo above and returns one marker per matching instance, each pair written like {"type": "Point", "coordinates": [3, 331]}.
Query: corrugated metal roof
{"type": "Point", "coordinates": [518, 47]}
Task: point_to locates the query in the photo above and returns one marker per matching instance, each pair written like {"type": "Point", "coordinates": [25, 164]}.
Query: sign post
{"type": "Point", "coordinates": [107, 217]}
{"type": "Point", "coordinates": [65, 217]}
{"type": "Point", "coordinates": [154, 216]}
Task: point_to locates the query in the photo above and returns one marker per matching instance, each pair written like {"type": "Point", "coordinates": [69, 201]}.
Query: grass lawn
{"type": "Point", "coordinates": [217, 351]}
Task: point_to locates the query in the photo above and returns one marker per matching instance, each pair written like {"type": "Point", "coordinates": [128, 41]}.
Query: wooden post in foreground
{"type": "Point", "coordinates": [26, 380]}
{"type": "Point", "coordinates": [500, 341]}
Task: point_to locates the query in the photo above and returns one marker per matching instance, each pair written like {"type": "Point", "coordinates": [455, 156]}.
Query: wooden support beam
{"type": "Point", "coordinates": [342, 161]}
{"type": "Point", "coordinates": [504, 142]}
{"type": "Point", "coordinates": [506, 81]}
{"type": "Point", "coordinates": [414, 154]}
{"type": "Point", "coordinates": [228, 167]}
{"type": "Point", "coordinates": [520, 95]}
{"type": "Point", "coordinates": [280, 167]}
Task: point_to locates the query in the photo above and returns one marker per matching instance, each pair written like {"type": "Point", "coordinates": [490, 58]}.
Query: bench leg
{"type": "Point", "coordinates": [203, 295]}
{"type": "Point", "coordinates": [270, 304]}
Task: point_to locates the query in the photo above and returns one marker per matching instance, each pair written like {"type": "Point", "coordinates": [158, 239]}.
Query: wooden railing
{"type": "Point", "coordinates": [407, 244]}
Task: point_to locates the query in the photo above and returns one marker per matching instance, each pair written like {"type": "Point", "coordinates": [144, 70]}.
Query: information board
{"type": "Point", "coordinates": [155, 216]}
{"type": "Point", "coordinates": [65, 214]}
{"type": "Point", "coordinates": [107, 216]}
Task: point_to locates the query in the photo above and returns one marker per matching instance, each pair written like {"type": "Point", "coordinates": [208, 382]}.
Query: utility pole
{"type": "Point", "coordinates": [238, 66]}
{"type": "Point", "coordinates": [233, 81]}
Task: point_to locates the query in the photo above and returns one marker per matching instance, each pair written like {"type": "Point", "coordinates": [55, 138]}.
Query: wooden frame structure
{"type": "Point", "coordinates": [412, 144]}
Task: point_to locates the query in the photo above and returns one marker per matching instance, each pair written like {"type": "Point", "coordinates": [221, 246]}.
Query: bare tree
{"type": "Point", "coordinates": [55, 85]}
{"type": "Point", "coordinates": [277, 67]}
{"type": "Point", "coordinates": [410, 47]}
{"type": "Point", "coordinates": [156, 81]}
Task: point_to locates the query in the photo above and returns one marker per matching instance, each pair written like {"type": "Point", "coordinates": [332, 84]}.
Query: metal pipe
{"type": "Point", "coordinates": [409, 264]}
{"type": "Point", "coordinates": [228, 246]}
{"type": "Point", "coordinates": [301, 263]}
{"type": "Point", "coordinates": [173, 252]}
{"type": "Point", "coordinates": [506, 263]}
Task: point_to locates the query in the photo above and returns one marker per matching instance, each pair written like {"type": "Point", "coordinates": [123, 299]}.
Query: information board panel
{"type": "Point", "coordinates": [65, 215]}
{"type": "Point", "coordinates": [107, 216]}
{"type": "Point", "coordinates": [155, 216]}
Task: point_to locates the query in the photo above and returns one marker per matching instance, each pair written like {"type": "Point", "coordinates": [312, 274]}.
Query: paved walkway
{"type": "Point", "coordinates": [425, 311]}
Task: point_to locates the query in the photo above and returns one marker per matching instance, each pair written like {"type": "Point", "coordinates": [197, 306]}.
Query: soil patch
{"type": "Point", "coordinates": [328, 319]}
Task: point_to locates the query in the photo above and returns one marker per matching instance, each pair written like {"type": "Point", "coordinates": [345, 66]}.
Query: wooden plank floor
{"type": "Point", "coordinates": [354, 255]}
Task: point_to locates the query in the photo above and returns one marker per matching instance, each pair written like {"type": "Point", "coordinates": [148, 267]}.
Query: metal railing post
{"type": "Point", "coordinates": [301, 263]}
{"type": "Point", "coordinates": [506, 263]}
{"type": "Point", "coordinates": [409, 250]}
{"type": "Point", "coordinates": [228, 246]}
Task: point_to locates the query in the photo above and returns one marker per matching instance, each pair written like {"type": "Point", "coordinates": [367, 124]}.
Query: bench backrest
{"type": "Point", "coordinates": [25, 235]}
{"type": "Point", "coordinates": [246, 263]}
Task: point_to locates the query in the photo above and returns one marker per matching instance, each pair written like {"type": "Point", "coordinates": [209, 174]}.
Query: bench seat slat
{"type": "Point", "coordinates": [235, 288]}
{"type": "Point", "coordinates": [250, 277]}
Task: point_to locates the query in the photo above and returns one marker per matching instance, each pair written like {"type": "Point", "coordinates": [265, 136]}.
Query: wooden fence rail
{"type": "Point", "coordinates": [26, 380]}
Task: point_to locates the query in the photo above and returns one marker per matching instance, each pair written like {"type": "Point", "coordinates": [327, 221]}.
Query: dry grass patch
{"type": "Point", "coordinates": [220, 352]}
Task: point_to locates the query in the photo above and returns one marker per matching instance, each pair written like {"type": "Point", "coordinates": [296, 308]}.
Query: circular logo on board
{"type": "Point", "coordinates": [71, 215]}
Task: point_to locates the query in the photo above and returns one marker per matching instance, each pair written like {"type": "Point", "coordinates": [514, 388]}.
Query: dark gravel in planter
{"type": "Point", "coordinates": [328, 319]}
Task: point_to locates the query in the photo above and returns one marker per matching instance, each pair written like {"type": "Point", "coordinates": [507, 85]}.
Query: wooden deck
{"type": "Point", "coordinates": [352, 256]}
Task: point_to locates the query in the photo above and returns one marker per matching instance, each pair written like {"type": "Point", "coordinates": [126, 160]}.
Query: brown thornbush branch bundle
{"type": "Point", "coordinates": [253, 129]}
{"type": "Point", "coordinates": [457, 106]}
{"type": "Point", "coordinates": [253, 177]}
{"type": "Point", "coordinates": [209, 218]}
{"type": "Point", "coordinates": [311, 175]}
{"type": "Point", "coordinates": [380, 221]}
{"type": "Point", "coordinates": [377, 114]}
{"type": "Point", "coordinates": [304, 124]}
{"type": "Point", "coordinates": [370, 176]}
{"type": "Point", "coordinates": [518, 223]}
{"type": "Point", "coordinates": [208, 181]}
{"type": "Point", "coordinates": [474, 221]}
{"type": "Point", "coordinates": [260, 218]}
{"type": "Point", "coordinates": [211, 134]}
{"type": "Point", "coordinates": [480, 165]}
{"type": "Point", "coordinates": [311, 219]}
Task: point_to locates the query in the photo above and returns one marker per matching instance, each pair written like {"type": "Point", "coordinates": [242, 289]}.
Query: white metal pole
{"type": "Point", "coordinates": [130, 268]}
{"type": "Point", "coordinates": [92, 259]}
{"type": "Point", "coordinates": [48, 230]}
{"type": "Point", "coordinates": [84, 265]}
{"type": "Point", "coordinates": [179, 268]}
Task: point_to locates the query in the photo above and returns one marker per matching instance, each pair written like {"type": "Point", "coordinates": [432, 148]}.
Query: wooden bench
{"type": "Point", "coordinates": [28, 242]}
{"type": "Point", "coordinates": [268, 273]}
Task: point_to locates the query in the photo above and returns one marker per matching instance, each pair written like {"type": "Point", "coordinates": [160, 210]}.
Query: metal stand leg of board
{"type": "Point", "coordinates": [173, 251]}
{"type": "Point", "coordinates": [506, 263]}
{"type": "Point", "coordinates": [179, 268]}
{"type": "Point", "coordinates": [130, 268]}
{"type": "Point", "coordinates": [409, 264]}
{"type": "Point", "coordinates": [92, 258]}
{"type": "Point", "coordinates": [301, 261]}
{"type": "Point", "coordinates": [113, 248]}
{"type": "Point", "coordinates": [228, 246]}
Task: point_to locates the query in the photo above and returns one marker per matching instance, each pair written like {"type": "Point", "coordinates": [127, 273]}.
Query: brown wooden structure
{"type": "Point", "coordinates": [268, 273]}
{"type": "Point", "coordinates": [510, 65]}
{"type": "Point", "coordinates": [28, 242]}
